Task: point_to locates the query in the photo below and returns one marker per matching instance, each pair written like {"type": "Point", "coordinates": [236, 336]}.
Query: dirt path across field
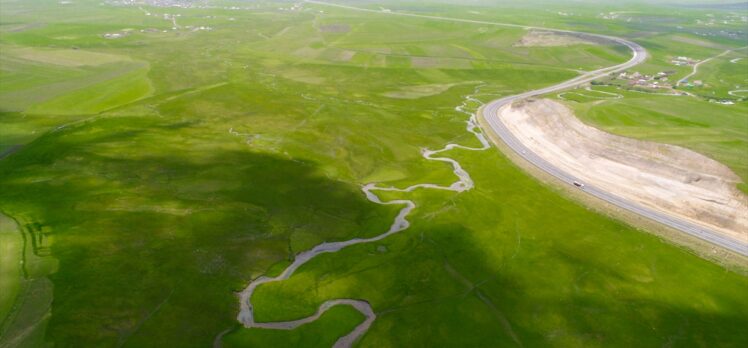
{"type": "Point", "coordinates": [697, 65]}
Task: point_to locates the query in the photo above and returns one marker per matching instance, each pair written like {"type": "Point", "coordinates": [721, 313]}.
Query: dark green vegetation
{"type": "Point", "coordinates": [163, 170]}
{"type": "Point", "coordinates": [26, 291]}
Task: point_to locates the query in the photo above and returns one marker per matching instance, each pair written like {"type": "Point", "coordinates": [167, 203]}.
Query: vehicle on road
{"type": "Point", "coordinates": [639, 56]}
{"type": "Point", "coordinates": [578, 184]}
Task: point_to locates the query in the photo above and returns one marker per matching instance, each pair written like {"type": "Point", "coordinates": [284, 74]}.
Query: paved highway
{"type": "Point", "coordinates": [490, 110]}
{"type": "Point", "coordinates": [489, 113]}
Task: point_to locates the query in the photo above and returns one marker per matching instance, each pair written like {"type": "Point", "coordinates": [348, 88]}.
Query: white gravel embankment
{"type": "Point", "coordinates": [668, 178]}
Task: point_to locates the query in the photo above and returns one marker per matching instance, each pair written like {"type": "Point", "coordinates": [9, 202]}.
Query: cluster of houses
{"type": "Point", "coordinates": [201, 4]}
{"type": "Point", "coordinates": [659, 80]}
{"type": "Point", "coordinates": [695, 83]}
{"type": "Point", "coordinates": [681, 61]}
{"type": "Point", "coordinates": [730, 19]}
{"type": "Point", "coordinates": [159, 3]}
{"type": "Point", "coordinates": [294, 7]}
{"type": "Point", "coordinates": [117, 35]}
{"type": "Point", "coordinates": [609, 15]}
{"type": "Point", "coordinates": [191, 28]}
{"type": "Point", "coordinates": [114, 35]}
{"type": "Point", "coordinates": [166, 16]}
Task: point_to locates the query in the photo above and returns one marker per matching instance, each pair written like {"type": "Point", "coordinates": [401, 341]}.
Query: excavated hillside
{"type": "Point", "coordinates": [665, 177]}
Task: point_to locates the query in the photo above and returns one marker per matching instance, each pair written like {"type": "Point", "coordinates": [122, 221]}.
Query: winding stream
{"type": "Point", "coordinates": [400, 223]}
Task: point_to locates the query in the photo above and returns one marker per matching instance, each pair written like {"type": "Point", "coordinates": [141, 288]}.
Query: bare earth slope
{"type": "Point", "coordinates": [540, 38]}
{"type": "Point", "coordinates": [672, 179]}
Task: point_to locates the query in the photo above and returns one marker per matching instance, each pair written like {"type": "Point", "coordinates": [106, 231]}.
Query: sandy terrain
{"type": "Point", "coordinates": [539, 38]}
{"type": "Point", "coordinates": [668, 178]}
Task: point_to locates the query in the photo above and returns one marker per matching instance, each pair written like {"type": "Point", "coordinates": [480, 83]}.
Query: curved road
{"type": "Point", "coordinates": [489, 114]}
{"type": "Point", "coordinates": [492, 108]}
{"type": "Point", "coordinates": [463, 183]}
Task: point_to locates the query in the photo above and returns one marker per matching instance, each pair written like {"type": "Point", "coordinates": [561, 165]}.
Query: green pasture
{"type": "Point", "coordinates": [154, 175]}
{"type": "Point", "coordinates": [477, 271]}
{"type": "Point", "coordinates": [722, 75]}
{"type": "Point", "coordinates": [10, 264]}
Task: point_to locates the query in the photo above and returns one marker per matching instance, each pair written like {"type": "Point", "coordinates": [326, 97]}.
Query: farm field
{"type": "Point", "coordinates": [155, 159]}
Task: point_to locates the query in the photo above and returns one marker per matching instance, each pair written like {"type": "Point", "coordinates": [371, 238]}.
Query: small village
{"type": "Point", "coordinates": [662, 79]}
{"type": "Point", "coordinates": [178, 4]}
{"type": "Point", "coordinates": [683, 61]}
{"type": "Point", "coordinates": [659, 80]}
{"type": "Point", "coordinates": [172, 18]}
{"type": "Point", "coordinates": [665, 81]}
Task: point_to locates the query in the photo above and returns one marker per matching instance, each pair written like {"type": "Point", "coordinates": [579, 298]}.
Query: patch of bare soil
{"type": "Point", "coordinates": [668, 178]}
{"type": "Point", "coordinates": [539, 38]}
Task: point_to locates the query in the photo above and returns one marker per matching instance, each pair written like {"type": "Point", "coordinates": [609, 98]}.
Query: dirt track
{"type": "Point", "coordinates": [668, 178]}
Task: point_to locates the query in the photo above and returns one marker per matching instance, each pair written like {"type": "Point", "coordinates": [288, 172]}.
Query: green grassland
{"type": "Point", "coordinates": [158, 173]}
{"type": "Point", "coordinates": [27, 292]}
{"type": "Point", "coordinates": [335, 323]}
{"type": "Point", "coordinates": [724, 74]}
{"type": "Point", "coordinates": [10, 268]}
